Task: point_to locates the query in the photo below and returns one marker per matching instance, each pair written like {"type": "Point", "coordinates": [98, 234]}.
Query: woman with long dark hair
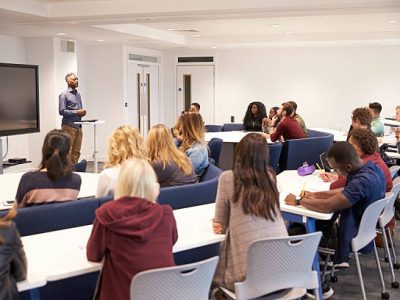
{"type": "Point", "coordinates": [54, 181]}
{"type": "Point", "coordinates": [247, 208]}
{"type": "Point", "coordinates": [254, 118]}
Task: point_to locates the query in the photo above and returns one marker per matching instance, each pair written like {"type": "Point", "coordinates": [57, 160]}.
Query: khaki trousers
{"type": "Point", "coordinates": [76, 141]}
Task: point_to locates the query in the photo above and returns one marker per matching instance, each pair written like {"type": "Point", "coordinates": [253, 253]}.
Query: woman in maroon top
{"type": "Point", "coordinates": [132, 233]}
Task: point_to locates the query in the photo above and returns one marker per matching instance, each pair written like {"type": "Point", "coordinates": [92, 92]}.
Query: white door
{"type": "Point", "coordinates": [143, 96]}
{"type": "Point", "coordinates": [196, 84]}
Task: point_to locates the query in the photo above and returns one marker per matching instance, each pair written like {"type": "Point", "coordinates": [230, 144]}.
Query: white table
{"type": "Point", "coordinates": [62, 254]}
{"type": "Point", "coordinates": [230, 139]}
{"type": "Point", "coordinates": [94, 124]}
{"type": "Point", "coordinates": [338, 136]}
{"type": "Point", "coordinates": [391, 123]}
{"type": "Point", "coordinates": [9, 185]}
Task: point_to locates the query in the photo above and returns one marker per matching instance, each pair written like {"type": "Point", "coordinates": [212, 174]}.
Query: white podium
{"type": "Point", "coordinates": [94, 124]}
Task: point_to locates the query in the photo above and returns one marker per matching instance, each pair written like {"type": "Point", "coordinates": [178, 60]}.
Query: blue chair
{"type": "Point", "coordinates": [215, 146]}
{"type": "Point", "coordinates": [80, 166]}
{"type": "Point", "coordinates": [296, 152]}
{"type": "Point", "coordinates": [274, 155]}
{"type": "Point", "coordinates": [232, 127]}
{"type": "Point", "coordinates": [213, 128]}
{"type": "Point", "coordinates": [194, 194]}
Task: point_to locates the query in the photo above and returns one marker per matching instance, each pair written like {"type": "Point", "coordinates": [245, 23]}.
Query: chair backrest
{"type": "Point", "coordinates": [274, 155]}
{"type": "Point", "coordinates": [191, 281]}
{"type": "Point", "coordinates": [296, 152]}
{"type": "Point", "coordinates": [213, 128]}
{"type": "Point", "coordinates": [194, 194]}
{"type": "Point", "coordinates": [388, 212]}
{"type": "Point", "coordinates": [369, 220]}
{"type": "Point", "coordinates": [279, 263]}
{"type": "Point", "coordinates": [215, 146]}
{"type": "Point", "coordinates": [80, 166]}
{"type": "Point", "coordinates": [232, 126]}
{"type": "Point", "coordinates": [394, 170]}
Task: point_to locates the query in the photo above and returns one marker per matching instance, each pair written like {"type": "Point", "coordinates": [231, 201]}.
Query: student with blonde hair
{"type": "Point", "coordinates": [172, 167]}
{"type": "Point", "coordinates": [124, 143]}
{"type": "Point", "coordinates": [193, 143]}
{"type": "Point", "coordinates": [133, 233]}
{"type": "Point", "coordinates": [12, 257]}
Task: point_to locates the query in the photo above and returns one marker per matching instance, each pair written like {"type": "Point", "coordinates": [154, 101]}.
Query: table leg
{"type": "Point", "coordinates": [95, 148]}
{"type": "Point", "coordinates": [310, 227]}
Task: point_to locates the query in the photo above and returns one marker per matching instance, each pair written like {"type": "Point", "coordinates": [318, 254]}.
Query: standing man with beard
{"type": "Point", "coordinates": [70, 108]}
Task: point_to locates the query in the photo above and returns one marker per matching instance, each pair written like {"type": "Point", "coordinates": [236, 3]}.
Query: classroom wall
{"type": "Point", "coordinates": [326, 82]}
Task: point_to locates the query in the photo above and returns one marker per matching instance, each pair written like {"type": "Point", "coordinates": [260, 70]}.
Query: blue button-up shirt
{"type": "Point", "coordinates": [69, 102]}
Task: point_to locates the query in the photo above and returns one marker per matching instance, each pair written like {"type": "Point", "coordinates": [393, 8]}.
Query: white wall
{"type": "Point", "coordinates": [326, 82]}
{"type": "Point", "coordinates": [104, 99]}
{"type": "Point", "coordinates": [12, 50]}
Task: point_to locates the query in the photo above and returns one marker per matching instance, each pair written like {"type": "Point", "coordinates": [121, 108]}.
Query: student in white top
{"type": "Point", "coordinates": [124, 143]}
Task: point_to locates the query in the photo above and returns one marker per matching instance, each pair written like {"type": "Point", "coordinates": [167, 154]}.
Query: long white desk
{"type": "Point", "coordinates": [230, 139]}
{"type": "Point", "coordinates": [9, 185]}
{"type": "Point", "coordinates": [62, 254]}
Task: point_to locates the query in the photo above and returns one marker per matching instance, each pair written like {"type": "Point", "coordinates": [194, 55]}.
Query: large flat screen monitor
{"type": "Point", "coordinates": [19, 99]}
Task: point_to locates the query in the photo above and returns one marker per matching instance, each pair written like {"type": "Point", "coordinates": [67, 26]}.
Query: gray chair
{"type": "Point", "coordinates": [282, 266]}
{"type": "Point", "coordinates": [191, 281]}
{"type": "Point", "coordinates": [366, 234]}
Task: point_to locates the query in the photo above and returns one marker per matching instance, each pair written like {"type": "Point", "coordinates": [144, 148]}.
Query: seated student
{"type": "Point", "coordinates": [298, 118]}
{"type": "Point", "coordinates": [273, 112]}
{"type": "Point", "coordinates": [288, 128]}
{"type": "Point", "coordinates": [365, 185]}
{"type": "Point", "coordinates": [12, 258]}
{"type": "Point", "coordinates": [172, 167]}
{"type": "Point", "coordinates": [246, 208]}
{"type": "Point", "coordinates": [124, 143]}
{"type": "Point", "coordinates": [376, 124]}
{"type": "Point", "coordinates": [361, 118]}
{"type": "Point", "coordinates": [132, 233]}
{"type": "Point", "coordinates": [54, 181]}
{"type": "Point", "coordinates": [194, 108]}
{"type": "Point", "coordinates": [193, 143]}
{"type": "Point", "coordinates": [365, 143]}
{"type": "Point", "coordinates": [255, 114]}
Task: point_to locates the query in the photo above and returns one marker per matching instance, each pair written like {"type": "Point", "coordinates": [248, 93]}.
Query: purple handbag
{"type": "Point", "coordinates": [305, 169]}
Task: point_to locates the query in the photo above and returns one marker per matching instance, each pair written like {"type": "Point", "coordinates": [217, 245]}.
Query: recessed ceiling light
{"type": "Point", "coordinates": [275, 25]}
{"type": "Point", "coordinates": [100, 40]}
{"type": "Point", "coordinates": [288, 32]}
{"type": "Point", "coordinates": [213, 47]}
{"type": "Point", "coordinates": [391, 29]}
{"type": "Point", "coordinates": [392, 21]}
{"type": "Point", "coordinates": [171, 29]}
{"type": "Point", "coordinates": [195, 35]}
{"type": "Point", "coordinates": [61, 34]}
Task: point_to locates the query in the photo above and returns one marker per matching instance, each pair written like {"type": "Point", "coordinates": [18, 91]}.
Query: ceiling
{"type": "Point", "coordinates": [205, 24]}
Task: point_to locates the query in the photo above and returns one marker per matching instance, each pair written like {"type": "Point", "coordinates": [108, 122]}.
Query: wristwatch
{"type": "Point", "coordinates": [298, 199]}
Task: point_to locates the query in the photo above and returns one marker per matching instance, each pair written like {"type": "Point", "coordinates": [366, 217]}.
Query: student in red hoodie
{"type": "Point", "coordinates": [132, 233]}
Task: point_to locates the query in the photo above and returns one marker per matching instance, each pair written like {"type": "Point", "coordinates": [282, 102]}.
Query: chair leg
{"type": "Point", "coordinates": [395, 284]}
{"type": "Point", "coordinates": [394, 258]}
{"type": "Point", "coordinates": [384, 294]}
{"type": "Point", "coordinates": [364, 297]}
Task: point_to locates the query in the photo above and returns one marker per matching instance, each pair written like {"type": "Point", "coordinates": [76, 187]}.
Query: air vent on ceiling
{"type": "Point", "coordinates": [67, 46]}
{"type": "Point", "coordinates": [197, 59]}
{"type": "Point", "coordinates": [143, 58]}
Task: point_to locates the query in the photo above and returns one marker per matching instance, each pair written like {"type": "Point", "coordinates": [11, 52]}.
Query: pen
{"type": "Point", "coordinates": [303, 191]}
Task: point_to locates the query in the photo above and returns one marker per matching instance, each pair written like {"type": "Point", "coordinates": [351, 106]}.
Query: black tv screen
{"type": "Point", "coordinates": [19, 99]}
